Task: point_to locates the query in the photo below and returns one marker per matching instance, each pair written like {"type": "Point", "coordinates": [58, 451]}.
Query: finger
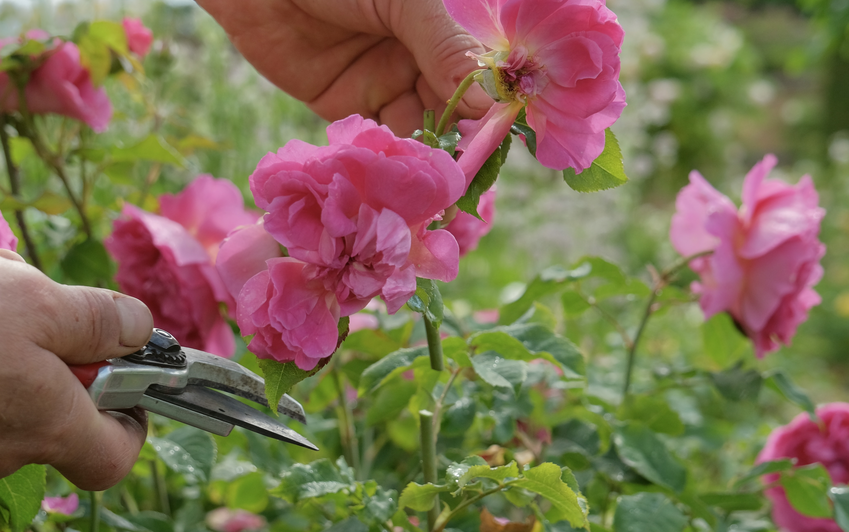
{"type": "Point", "coordinates": [79, 324]}
{"type": "Point", "coordinates": [97, 448]}
{"type": "Point", "coordinates": [11, 255]}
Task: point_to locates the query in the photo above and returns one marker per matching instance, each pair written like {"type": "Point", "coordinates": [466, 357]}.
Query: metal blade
{"type": "Point", "coordinates": [229, 410]}
{"type": "Point", "coordinates": [223, 374]}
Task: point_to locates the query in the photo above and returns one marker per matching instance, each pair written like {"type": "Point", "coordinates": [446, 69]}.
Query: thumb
{"type": "Point", "coordinates": [78, 324]}
{"type": "Point", "coordinates": [439, 46]}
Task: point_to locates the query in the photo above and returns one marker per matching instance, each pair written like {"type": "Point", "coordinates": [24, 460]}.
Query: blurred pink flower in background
{"type": "Point", "coordinates": [557, 58]}
{"type": "Point", "coordinates": [766, 257]}
{"type": "Point", "coordinates": [139, 37]}
{"type": "Point", "coordinates": [61, 505]}
{"type": "Point", "coordinates": [170, 266]}
{"type": "Point", "coordinates": [227, 520]}
{"type": "Point", "coordinates": [60, 85]}
{"type": "Point", "coordinates": [468, 229]}
{"type": "Point", "coordinates": [354, 219]}
{"type": "Point", "coordinates": [8, 240]}
{"type": "Point", "coordinates": [809, 442]}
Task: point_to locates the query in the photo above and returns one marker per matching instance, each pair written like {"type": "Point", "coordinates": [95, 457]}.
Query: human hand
{"type": "Point", "coordinates": [46, 416]}
{"type": "Point", "coordinates": [388, 60]}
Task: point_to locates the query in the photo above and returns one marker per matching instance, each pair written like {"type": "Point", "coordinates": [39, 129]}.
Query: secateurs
{"type": "Point", "coordinates": [180, 382]}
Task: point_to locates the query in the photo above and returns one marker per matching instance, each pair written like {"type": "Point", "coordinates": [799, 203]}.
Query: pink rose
{"type": "Point", "coordinates": [227, 520]}
{"type": "Point", "coordinates": [353, 217]}
{"type": "Point", "coordinates": [61, 505]}
{"type": "Point", "coordinates": [139, 38]}
{"type": "Point", "coordinates": [468, 229]}
{"type": "Point", "coordinates": [765, 257]}
{"type": "Point", "coordinates": [60, 85]}
{"type": "Point", "coordinates": [559, 59]}
{"type": "Point", "coordinates": [8, 240]}
{"type": "Point", "coordinates": [169, 263]}
{"type": "Point", "coordinates": [808, 442]}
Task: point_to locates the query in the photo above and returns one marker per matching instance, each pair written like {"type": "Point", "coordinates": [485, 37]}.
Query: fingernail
{"type": "Point", "coordinates": [136, 321]}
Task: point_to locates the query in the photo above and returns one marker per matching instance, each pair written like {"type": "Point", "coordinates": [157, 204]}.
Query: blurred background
{"type": "Point", "coordinates": [711, 86]}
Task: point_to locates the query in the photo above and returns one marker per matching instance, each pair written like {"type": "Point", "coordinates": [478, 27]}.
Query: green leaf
{"type": "Point", "coordinates": [306, 481]}
{"type": "Point", "coordinates": [737, 385]}
{"type": "Point", "coordinates": [280, 377]}
{"type": "Point", "coordinates": [547, 480]}
{"type": "Point", "coordinates": [88, 263]}
{"type": "Point", "coordinates": [390, 401]}
{"type": "Point", "coordinates": [500, 372]}
{"type": "Point", "coordinates": [574, 304]}
{"type": "Point", "coordinates": [21, 494]}
{"type": "Point", "coordinates": [641, 449]}
{"type": "Point", "coordinates": [839, 495]}
{"type": "Point", "coordinates": [420, 497]}
{"type": "Point", "coordinates": [654, 412]}
{"type": "Point", "coordinates": [766, 468]}
{"type": "Point", "coordinates": [781, 383]}
{"type": "Point", "coordinates": [428, 301]}
{"type": "Point", "coordinates": [607, 171]}
{"type": "Point", "coordinates": [448, 141]}
{"type": "Point", "coordinates": [95, 56]}
{"type": "Point", "coordinates": [531, 341]}
{"type": "Point", "coordinates": [388, 366]}
{"type": "Point", "coordinates": [807, 490]}
{"type": "Point", "coordinates": [116, 521]}
{"type": "Point", "coordinates": [188, 451]}
{"type": "Point", "coordinates": [484, 179]}
{"type": "Point", "coordinates": [52, 203]}
{"type": "Point", "coordinates": [371, 342]}
{"type": "Point", "coordinates": [459, 417]}
{"type": "Point", "coordinates": [379, 506]}
{"type": "Point", "coordinates": [647, 511]}
{"type": "Point", "coordinates": [549, 281]}
{"type": "Point", "coordinates": [734, 502]}
{"type": "Point", "coordinates": [460, 474]}
{"type": "Point", "coordinates": [248, 492]}
{"type": "Point", "coordinates": [723, 342]}
{"type": "Point", "coordinates": [153, 148]}
{"type": "Point", "coordinates": [457, 350]}
{"type": "Point", "coordinates": [352, 524]}
{"type": "Point", "coordinates": [521, 127]}
{"type": "Point", "coordinates": [110, 33]}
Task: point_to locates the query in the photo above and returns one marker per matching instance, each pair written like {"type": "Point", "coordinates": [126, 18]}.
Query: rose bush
{"type": "Point", "coordinates": [809, 442]}
{"type": "Point", "coordinates": [353, 217]}
{"type": "Point", "coordinates": [765, 257]}
{"type": "Point", "coordinates": [60, 85]}
{"type": "Point", "coordinates": [8, 240]}
{"type": "Point", "coordinates": [557, 59]}
{"type": "Point", "coordinates": [168, 263]}
{"type": "Point", "coordinates": [139, 37]}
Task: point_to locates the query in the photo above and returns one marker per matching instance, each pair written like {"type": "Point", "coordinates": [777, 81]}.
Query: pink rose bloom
{"type": "Point", "coordinates": [353, 217]}
{"type": "Point", "coordinates": [61, 505]}
{"type": "Point", "coordinates": [169, 263]}
{"type": "Point", "coordinates": [559, 59]}
{"type": "Point", "coordinates": [139, 38]}
{"type": "Point", "coordinates": [8, 240]}
{"type": "Point", "coordinates": [61, 85]}
{"type": "Point", "coordinates": [468, 229]}
{"type": "Point", "coordinates": [766, 257]}
{"type": "Point", "coordinates": [809, 443]}
{"type": "Point", "coordinates": [227, 520]}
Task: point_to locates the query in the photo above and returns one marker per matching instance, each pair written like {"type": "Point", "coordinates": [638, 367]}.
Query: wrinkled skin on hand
{"type": "Point", "coordinates": [387, 60]}
{"type": "Point", "coordinates": [46, 416]}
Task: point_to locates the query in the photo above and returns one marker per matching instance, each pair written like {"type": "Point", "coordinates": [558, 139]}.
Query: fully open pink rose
{"type": "Point", "coordinates": [766, 256]}
{"type": "Point", "coordinates": [559, 59]}
{"type": "Point", "coordinates": [139, 38]}
{"type": "Point", "coordinates": [357, 211]}
{"type": "Point", "coordinates": [169, 263]}
{"type": "Point", "coordinates": [8, 240]}
{"type": "Point", "coordinates": [809, 442]}
{"type": "Point", "coordinates": [61, 505]}
{"type": "Point", "coordinates": [61, 85]}
{"type": "Point", "coordinates": [467, 229]}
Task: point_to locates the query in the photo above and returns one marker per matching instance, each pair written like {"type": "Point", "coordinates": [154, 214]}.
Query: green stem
{"type": "Point", "coordinates": [429, 462]}
{"type": "Point", "coordinates": [160, 488]}
{"type": "Point", "coordinates": [94, 498]}
{"type": "Point", "coordinates": [455, 100]}
{"type": "Point", "coordinates": [346, 429]}
{"type": "Point", "coordinates": [661, 281]}
{"type": "Point", "coordinates": [437, 410]}
{"type": "Point", "coordinates": [429, 120]}
{"type": "Point", "coordinates": [15, 189]}
{"type": "Point", "coordinates": [434, 344]}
